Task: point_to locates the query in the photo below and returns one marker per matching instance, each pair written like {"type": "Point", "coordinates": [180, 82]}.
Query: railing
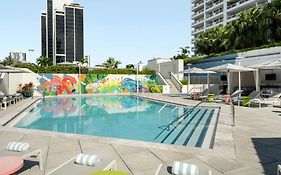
{"type": "Point", "coordinates": [165, 84]}
{"type": "Point", "coordinates": [184, 116]}
{"type": "Point", "coordinates": [176, 82]}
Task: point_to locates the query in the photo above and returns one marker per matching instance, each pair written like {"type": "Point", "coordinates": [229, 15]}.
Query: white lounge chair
{"type": "Point", "coordinates": [31, 152]}
{"type": "Point", "coordinates": [279, 170]}
{"type": "Point", "coordinates": [252, 95]}
{"type": "Point", "coordinates": [70, 167]}
{"type": "Point", "coordinates": [273, 100]}
{"type": "Point", "coordinates": [7, 102]}
{"type": "Point", "coordinates": [18, 97]}
{"type": "Point", "coordinates": [178, 168]}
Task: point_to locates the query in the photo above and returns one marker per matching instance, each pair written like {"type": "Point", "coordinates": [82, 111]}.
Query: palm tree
{"type": "Point", "coordinates": [44, 61]}
{"type": "Point", "coordinates": [83, 61]}
{"type": "Point", "coordinates": [130, 66]}
{"type": "Point", "coordinates": [9, 61]}
{"type": "Point", "coordinates": [111, 63]}
{"type": "Point", "coordinates": [183, 53]}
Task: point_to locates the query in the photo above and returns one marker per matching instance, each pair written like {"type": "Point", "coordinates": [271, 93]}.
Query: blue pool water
{"type": "Point", "coordinates": [126, 117]}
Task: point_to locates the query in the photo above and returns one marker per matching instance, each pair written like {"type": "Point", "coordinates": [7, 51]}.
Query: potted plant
{"type": "Point", "coordinates": [26, 89]}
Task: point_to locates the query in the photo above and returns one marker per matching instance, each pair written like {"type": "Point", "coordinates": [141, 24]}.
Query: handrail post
{"type": "Point", "coordinates": [232, 113]}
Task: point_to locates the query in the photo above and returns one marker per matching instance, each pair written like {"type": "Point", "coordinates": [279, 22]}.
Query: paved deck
{"type": "Point", "coordinates": [251, 147]}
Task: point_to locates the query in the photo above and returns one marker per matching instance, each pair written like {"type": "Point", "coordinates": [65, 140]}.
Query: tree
{"type": "Point", "coordinates": [83, 61]}
{"type": "Point", "coordinates": [44, 61]}
{"type": "Point", "coordinates": [254, 27]}
{"type": "Point", "coordinates": [111, 63]}
{"type": "Point", "coordinates": [130, 66]}
{"type": "Point", "coordinates": [183, 53]}
{"type": "Point", "coordinates": [9, 61]}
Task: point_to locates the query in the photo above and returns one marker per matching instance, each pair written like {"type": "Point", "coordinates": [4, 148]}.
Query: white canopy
{"type": "Point", "coordinates": [268, 65]}
{"type": "Point", "coordinates": [196, 70]}
{"type": "Point", "coordinates": [8, 69]}
{"type": "Point", "coordinates": [67, 63]}
{"type": "Point", "coordinates": [231, 68]}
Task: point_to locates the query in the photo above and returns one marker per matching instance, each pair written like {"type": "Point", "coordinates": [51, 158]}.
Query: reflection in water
{"type": "Point", "coordinates": [111, 116]}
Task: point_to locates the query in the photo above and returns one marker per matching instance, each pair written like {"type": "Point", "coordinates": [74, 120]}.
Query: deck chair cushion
{"type": "Point", "coordinates": [85, 159]}
{"type": "Point", "coordinates": [180, 168]}
{"type": "Point", "coordinates": [17, 146]}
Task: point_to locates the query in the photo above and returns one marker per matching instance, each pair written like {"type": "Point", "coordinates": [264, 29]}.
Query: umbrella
{"type": "Point", "coordinates": [196, 70]}
{"type": "Point", "coordinates": [66, 63]}
{"type": "Point", "coordinates": [8, 70]}
{"type": "Point", "coordinates": [231, 68]}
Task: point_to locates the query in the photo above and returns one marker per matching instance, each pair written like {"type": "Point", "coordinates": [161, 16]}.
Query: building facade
{"type": "Point", "coordinates": [207, 14]}
{"type": "Point", "coordinates": [62, 31]}
{"type": "Point", "coordinates": [19, 56]}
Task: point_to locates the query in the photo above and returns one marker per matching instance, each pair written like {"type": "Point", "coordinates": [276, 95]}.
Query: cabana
{"type": "Point", "coordinates": [228, 68]}
{"type": "Point", "coordinates": [196, 70]}
{"type": "Point", "coordinates": [268, 65]}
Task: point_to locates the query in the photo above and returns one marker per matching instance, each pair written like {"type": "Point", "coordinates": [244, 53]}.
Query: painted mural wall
{"type": "Point", "coordinates": [57, 84]}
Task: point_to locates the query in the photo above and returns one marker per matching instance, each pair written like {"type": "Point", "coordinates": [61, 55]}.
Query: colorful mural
{"type": "Point", "coordinates": [96, 83]}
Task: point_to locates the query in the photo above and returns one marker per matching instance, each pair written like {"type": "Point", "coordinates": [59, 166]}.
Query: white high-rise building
{"type": "Point", "coordinates": [207, 14]}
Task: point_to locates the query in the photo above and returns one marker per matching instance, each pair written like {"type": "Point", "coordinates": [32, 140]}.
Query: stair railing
{"type": "Point", "coordinates": [184, 116]}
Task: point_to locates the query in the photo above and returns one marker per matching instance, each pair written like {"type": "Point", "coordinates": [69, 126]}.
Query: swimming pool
{"type": "Point", "coordinates": [126, 117]}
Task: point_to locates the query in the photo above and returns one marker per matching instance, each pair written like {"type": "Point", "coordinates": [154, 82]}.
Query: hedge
{"type": "Point", "coordinates": [84, 70]}
{"type": "Point", "coordinates": [190, 60]}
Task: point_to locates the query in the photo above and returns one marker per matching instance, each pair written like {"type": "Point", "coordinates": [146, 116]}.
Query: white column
{"type": "Point", "coordinates": [208, 81]}
{"type": "Point", "coordinates": [228, 83]}
{"type": "Point", "coordinates": [257, 79]}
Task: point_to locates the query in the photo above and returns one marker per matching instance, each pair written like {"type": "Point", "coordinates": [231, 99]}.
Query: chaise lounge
{"type": "Point", "coordinates": [24, 152]}
{"type": "Point", "coordinates": [73, 166]}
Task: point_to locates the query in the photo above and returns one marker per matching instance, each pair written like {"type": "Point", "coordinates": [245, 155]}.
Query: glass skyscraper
{"type": "Point", "coordinates": [62, 31]}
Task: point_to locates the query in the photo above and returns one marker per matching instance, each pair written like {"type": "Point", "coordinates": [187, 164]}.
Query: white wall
{"type": "Point", "coordinates": [166, 66]}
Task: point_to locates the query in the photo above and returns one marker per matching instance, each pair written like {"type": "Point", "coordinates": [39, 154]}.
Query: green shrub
{"type": "Point", "coordinates": [192, 59]}
{"type": "Point", "coordinates": [84, 70]}
{"type": "Point", "coordinates": [184, 82]}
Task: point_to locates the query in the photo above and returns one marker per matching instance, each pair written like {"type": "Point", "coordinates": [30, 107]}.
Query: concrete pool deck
{"type": "Point", "coordinates": [252, 146]}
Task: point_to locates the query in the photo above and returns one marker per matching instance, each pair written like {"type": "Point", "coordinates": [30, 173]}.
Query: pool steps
{"type": "Point", "coordinates": [190, 130]}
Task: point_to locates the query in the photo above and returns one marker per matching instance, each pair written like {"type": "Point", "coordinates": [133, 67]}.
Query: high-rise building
{"type": "Point", "coordinates": [62, 31]}
{"type": "Point", "coordinates": [19, 56]}
{"type": "Point", "coordinates": [207, 14]}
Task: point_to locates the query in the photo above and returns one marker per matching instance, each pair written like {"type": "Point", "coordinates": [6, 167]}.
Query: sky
{"type": "Point", "coordinates": [128, 30]}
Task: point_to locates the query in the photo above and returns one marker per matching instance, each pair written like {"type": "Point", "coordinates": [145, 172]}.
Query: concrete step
{"type": "Point", "coordinates": [173, 88]}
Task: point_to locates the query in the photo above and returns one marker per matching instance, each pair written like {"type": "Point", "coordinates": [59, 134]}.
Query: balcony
{"type": "Point", "coordinates": [237, 4]}
{"type": "Point", "coordinates": [213, 4]}
{"type": "Point", "coordinates": [198, 21]}
{"type": "Point", "coordinates": [198, 12]}
{"type": "Point", "coordinates": [214, 14]}
{"type": "Point", "coordinates": [197, 4]}
{"type": "Point", "coordinates": [231, 16]}
{"type": "Point", "coordinates": [196, 30]}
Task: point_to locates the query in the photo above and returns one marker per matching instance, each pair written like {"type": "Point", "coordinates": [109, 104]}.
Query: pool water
{"type": "Point", "coordinates": [126, 117]}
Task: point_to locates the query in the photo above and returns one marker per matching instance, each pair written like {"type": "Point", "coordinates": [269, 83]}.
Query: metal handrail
{"type": "Point", "coordinates": [184, 115]}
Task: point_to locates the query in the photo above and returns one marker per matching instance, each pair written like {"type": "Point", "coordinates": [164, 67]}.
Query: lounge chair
{"type": "Point", "coordinates": [70, 167]}
{"type": "Point", "coordinates": [228, 98]}
{"type": "Point", "coordinates": [252, 95]}
{"type": "Point", "coordinates": [273, 100]}
{"type": "Point", "coordinates": [279, 170]}
{"type": "Point", "coordinates": [215, 92]}
{"type": "Point", "coordinates": [179, 168]}
{"type": "Point", "coordinates": [18, 97]}
{"type": "Point", "coordinates": [7, 101]}
{"type": "Point", "coordinates": [199, 95]}
{"type": "Point", "coordinates": [30, 152]}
